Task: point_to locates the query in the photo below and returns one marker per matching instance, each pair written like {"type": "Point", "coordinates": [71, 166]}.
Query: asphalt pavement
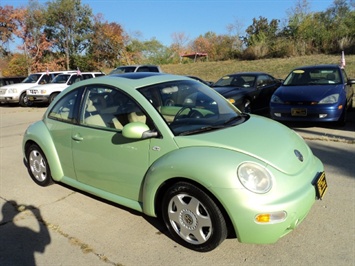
{"type": "Point", "coordinates": [58, 225]}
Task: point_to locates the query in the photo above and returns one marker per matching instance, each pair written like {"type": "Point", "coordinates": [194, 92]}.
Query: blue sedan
{"type": "Point", "coordinates": [313, 93]}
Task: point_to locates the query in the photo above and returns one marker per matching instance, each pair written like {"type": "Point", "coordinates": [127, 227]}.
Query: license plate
{"type": "Point", "coordinates": [299, 112]}
{"type": "Point", "coordinates": [321, 185]}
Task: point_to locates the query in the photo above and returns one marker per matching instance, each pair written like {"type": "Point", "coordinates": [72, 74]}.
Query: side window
{"type": "Point", "coordinates": [153, 69]}
{"type": "Point", "coordinates": [99, 75]}
{"type": "Point", "coordinates": [74, 78]}
{"type": "Point", "coordinates": [263, 81]}
{"type": "Point", "coordinates": [109, 108]}
{"type": "Point", "coordinates": [143, 69]}
{"type": "Point", "coordinates": [87, 76]}
{"type": "Point", "coordinates": [64, 109]}
{"type": "Point", "coordinates": [45, 79]}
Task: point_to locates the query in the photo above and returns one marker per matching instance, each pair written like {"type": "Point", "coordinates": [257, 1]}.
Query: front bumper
{"type": "Point", "coordinates": [38, 98]}
{"type": "Point", "coordinates": [306, 113]}
{"type": "Point", "coordinates": [9, 98]}
{"type": "Point", "coordinates": [243, 208]}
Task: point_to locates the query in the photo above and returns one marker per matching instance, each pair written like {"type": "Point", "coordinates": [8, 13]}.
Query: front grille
{"type": "Point", "coordinates": [300, 103]}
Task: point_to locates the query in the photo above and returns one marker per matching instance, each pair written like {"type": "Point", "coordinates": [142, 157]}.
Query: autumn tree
{"type": "Point", "coordinates": [69, 27]}
{"type": "Point", "coordinates": [179, 44]}
{"type": "Point", "coordinates": [30, 29]}
{"type": "Point", "coordinates": [7, 28]}
{"type": "Point", "coordinates": [107, 46]}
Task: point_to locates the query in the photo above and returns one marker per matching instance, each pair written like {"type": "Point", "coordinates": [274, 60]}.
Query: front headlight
{"type": "Point", "coordinates": [255, 177]}
{"type": "Point", "coordinates": [330, 99]}
{"type": "Point", "coordinates": [12, 90]}
{"type": "Point", "coordinates": [276, 99]}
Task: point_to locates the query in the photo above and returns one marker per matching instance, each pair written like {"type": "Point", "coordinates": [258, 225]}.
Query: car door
{"type": "Point", "coordinates": [265, 86]}
{"type": "Point", "coordinates": [102, 157]}
{"type": "Point", "coordinates": [348, 89]}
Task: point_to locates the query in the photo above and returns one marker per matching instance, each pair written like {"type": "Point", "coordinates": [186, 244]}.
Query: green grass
{"type": "Point", "coordinates": [279, 67]}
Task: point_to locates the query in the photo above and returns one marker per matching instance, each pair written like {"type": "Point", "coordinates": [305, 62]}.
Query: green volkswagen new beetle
{"type": "Point", "coordinates": [171, 147]}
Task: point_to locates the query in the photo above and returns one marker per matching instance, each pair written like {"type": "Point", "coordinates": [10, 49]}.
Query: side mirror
{"type": "Point", "coordinates": [137, 130]}
{"type": "Point", "coordinates": [351, 81]}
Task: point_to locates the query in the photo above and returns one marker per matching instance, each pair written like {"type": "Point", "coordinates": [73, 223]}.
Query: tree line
{"type": "Point", "coordinates": [65, 34]}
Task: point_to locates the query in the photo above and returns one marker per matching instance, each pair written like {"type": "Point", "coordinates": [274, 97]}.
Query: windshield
{"type": "Point", "coordinates": [63, 78]}
{"type": "Point", "coordinates": [33, 78]}
{"type": "Point", "coordinates": [240, 80]}
{"type": "Point", "coordinates": [190, 107]}
{"type": "Point", "coordinates": [313, 76]}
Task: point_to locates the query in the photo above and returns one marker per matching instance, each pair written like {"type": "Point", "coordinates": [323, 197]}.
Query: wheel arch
{"type": "Point", "coordinates": [52, 95]}
{"type": "Point", "coordinates": [46, 145]}
{"type": "Point", "coordinates": [172, 181]}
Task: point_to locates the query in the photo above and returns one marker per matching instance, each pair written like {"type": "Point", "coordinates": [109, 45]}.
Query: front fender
{"type": "Point", "coordinates": [39, 134]}
{"type": "Point", "coordinates": [211, 167]}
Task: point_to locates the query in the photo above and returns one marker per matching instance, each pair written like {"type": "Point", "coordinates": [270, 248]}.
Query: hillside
{"type": "Point", "coordinates": [279, 68]}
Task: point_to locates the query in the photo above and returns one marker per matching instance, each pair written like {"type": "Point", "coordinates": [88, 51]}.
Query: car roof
{"type": "Point", "coordinates": [132, 80]}
{"type": "Point", "coordinates": [136, 65]}
{"type": "Point", "coordinates": [248, 73]}
{"type": "Point", "coordinates": [318, 66]}
{"type": "Point", "coordinates": [51, 72]}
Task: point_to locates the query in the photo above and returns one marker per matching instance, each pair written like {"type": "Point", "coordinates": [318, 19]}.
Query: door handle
{"type": "Point", "coordinates": [77, 137]}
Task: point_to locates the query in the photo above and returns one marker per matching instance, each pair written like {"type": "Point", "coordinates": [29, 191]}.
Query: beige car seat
{"type": "Point", "coordinates": [94, 118]}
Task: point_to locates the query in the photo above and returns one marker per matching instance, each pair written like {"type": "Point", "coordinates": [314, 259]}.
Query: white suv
{"type": "Point", "coordinates": [16, 93]}
{"type": "Point", "coordinates": [47, 93]}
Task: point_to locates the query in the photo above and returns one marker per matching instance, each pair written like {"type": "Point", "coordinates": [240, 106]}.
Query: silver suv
{"type": "Point", "coordinates": [135, 68]}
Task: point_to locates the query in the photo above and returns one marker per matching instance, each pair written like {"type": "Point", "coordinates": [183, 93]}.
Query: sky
{"type": "Point", "coordinates": [160, 19]}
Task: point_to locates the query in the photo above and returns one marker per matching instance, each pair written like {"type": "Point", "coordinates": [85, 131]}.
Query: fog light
{"type": "Point", "coordinates": [271, 218]}
{"type": "Point", "coordinates": [277, 114]}
{"type": "Point", "coordinates": [322, 115]}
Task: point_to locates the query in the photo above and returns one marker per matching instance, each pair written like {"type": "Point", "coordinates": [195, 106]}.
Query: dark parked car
{"type": "Point", "coordinates": [313, 93]}
{"type": "Point", "coordinates": [208, 83]}
{"type": "Point", "coordinates": [249, 91]}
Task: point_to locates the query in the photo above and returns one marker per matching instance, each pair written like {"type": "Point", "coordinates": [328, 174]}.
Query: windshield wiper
{"type": "Point", "coordinates": [233, 119]}
{"type": "Point", "coordinates": [202, 129]}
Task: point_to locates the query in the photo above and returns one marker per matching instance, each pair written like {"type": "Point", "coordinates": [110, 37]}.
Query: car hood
{"type": "Point", "coordinates": [51, 86]}
{"type": "Point", "coordinates": [19, 85]}
{"type": "Point", "coordinates": [307, 93]}
{"type": "Point", "coordinates": [230, 91]}
{"type": "Point", "coordinates": [260, 138]}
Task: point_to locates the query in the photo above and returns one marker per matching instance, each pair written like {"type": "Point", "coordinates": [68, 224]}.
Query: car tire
{"type": "Point", "coordinates": [193, 218]}
{"type": "Point", "coordinates": [52, 96]}
{"type": "Point", "coordinates": [37, 166]}
{"type": "Point", "coordinates": [23, 99]}
{"type": "Point", "coordinates": [342, 119]}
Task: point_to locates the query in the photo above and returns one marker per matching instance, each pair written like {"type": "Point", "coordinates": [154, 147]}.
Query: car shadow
{"type": "Point", "coordinates": [156, 222]}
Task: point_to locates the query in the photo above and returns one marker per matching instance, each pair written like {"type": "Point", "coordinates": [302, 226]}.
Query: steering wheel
{"type": "Point", "coordinates": [192, 113]}
{"type": "Point", "coordinates": [178, 114]}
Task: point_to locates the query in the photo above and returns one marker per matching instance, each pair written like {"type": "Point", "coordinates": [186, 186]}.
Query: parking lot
{"type": "Point", "coordinates": [57, 225]}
